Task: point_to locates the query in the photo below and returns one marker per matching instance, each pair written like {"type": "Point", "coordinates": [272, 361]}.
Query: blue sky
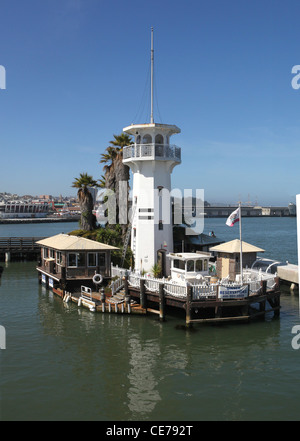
{"type": "Point", "coordinates": [77, 71]}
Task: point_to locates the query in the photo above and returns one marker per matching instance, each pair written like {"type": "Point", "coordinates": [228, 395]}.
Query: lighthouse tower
{"type": "Point", "coordinates": [151, 159]}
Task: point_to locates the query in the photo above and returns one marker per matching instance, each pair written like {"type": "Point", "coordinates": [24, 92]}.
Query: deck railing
{"type": "Point", "coordinates": [152, 151]}
{"type": "Point", "coordinates": [222, 290]}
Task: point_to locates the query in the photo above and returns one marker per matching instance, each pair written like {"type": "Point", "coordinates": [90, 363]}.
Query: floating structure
{"type": "Point", "coordinates": [79, 270]}
{"type": "Point", "coordinates": [69, 261]}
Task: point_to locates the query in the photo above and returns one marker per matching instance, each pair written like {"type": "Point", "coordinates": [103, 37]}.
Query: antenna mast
{"type": "Point", "coordinates": [152, 62]}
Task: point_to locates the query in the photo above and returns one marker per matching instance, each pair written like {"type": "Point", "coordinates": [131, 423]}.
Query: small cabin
{"type": "Point", "coordinates": [189, 267]}
{"type": "Point", "coordinates": [71, 258]}
{"type": "Point", "coordinates": [228, 258]}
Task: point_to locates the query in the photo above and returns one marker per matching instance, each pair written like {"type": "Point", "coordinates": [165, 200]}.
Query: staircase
{"type": "Point", "coordinates": [128, 234]}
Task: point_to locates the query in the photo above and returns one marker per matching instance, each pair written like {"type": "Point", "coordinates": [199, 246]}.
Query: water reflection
{"type": "Point", "coordinates": [128, 367]}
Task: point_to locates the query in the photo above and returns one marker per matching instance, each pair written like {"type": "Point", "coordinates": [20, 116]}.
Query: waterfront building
{"type": "Point", "coordinates": [70, 260]}
{"type": "Point", "coordinates": [151, 159]}
{"type": "Point", "coordinates": [228, 257]}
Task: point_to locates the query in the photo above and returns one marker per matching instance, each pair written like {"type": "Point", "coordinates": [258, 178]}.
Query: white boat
{"type": "Point", "coordinates": [22, 209]}
{"type": "Point", "coordinates": [189, 267]}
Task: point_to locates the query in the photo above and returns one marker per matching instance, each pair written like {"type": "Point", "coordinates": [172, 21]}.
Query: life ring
{"type": "Point", "coordinates": [97, 279]}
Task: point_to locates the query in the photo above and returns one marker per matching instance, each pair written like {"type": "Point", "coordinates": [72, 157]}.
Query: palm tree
{"type": "Point", "coordinates": [114, 169]}
{"type": "Point", "coordinates": [87, 220]}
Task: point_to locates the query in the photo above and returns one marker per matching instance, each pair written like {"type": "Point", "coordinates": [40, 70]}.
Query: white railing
{"type": "Point", "coordinates": [222, 290]}
{"type": "Point", "coordinates": [152, 284]}
{"type": "Point", "coordinates": [134, 280]}
{"type": "Point", "coordinates": [254, 286]}
{"type": "Point", "coordinates": [175, 290]}
{"type": "Point", "coordinates": [205, 291]}
{"type": "Point", "coordinates": [116, 285]}
{"type": "Point", "coordinates": [152, 151]}
{"type": "Point", "coordinates": [117, 271]}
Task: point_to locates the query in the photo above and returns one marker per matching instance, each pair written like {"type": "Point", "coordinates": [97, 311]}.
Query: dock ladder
{"type": "Point", "coordinates": [127, 237]}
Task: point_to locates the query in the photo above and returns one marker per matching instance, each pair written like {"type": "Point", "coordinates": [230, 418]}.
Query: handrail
{"type": "Point", "coordinates": [13, 243]}
{"type": "Point", "coordinates": [152, 151]}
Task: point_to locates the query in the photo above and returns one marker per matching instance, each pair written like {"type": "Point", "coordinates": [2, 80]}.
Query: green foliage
{"type": "Point", "coordinates": [156, 270]}
{"type": "Point", "coordinates": [110, 236]}
{"type": "Point", "coordinates": [84, 181]}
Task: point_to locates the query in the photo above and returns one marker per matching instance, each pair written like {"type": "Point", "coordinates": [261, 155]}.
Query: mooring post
{"type": "Point", "coordinates": [102, 297]}
{"type": "Point", "coordinates": [143, 301]}
{"type": "Point", "coordinates": [263, 285]}
{"type": "Point", "coordinates": [161, 302]}
{"type": "Point", "coordinates": [188, 306]}
{"type": "Point", "coordinates": [277, 305]}
{"type": "Point", "coordinates": [127, 295]}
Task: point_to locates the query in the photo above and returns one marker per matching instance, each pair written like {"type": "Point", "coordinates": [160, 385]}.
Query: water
{"type": "Point", "coordinates": [62, 362]}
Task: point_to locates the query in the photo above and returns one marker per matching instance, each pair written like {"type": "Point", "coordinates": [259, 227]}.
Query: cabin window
{"type": "Point", "coordinates": [178, 264]}
{"type": "Point", "coordinates": [190, 265]}
{"type": "Point", "coordinates": [92, 259]}
{"type": "Point", "coordinates": [76, 259]}
{"type": "Point", "coordinates": [72, 259]}
{"type": "Point", "coordinates": [199, 265]}
{"type": "Point", "coordinates": [80, 259]}
{"type": "Point", "coordinates": [101, 259]}
{"type": "Point", "coordinates": [51, 253]}
{"type": "Point", "coordinates": [58, 257]}
{"type": "Point", "coordinates": [45, 253]}
{"type": "Point", "coordinates": [205, 265]}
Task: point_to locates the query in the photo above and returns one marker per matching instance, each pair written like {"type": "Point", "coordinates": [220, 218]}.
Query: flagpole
{"type": "Point", "coordinates": [241, 250]}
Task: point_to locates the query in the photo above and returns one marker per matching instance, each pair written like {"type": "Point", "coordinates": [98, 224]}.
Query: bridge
{"type": "Point", "coordinates": [19, 246]}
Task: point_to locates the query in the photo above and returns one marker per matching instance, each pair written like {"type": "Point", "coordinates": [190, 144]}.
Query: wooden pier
{"type": "Point", "coordinates": [206, 310]}
{"type": "Point", "coordinates": [129, 299]}
{"type": "Point", "coordinates": [19, 247]}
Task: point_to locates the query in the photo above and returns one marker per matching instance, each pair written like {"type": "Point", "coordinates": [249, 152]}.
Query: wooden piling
{"type": "Point", "coordinates": [143, 298]}
{"type": "Point", "coordinates": [188, 307]}
{"type": "Point", "coordinates": [102, 297]}
{"type": "Point", "coordinates": [161, 302]}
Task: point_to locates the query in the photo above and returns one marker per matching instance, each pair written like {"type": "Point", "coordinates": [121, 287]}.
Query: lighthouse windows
{"type": "Point", "coordinates": [159, 139]}
{"type": "Point", "coordinates": [147, 139]}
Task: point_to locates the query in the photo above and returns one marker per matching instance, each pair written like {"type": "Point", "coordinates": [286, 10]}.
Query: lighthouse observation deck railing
{"type": "Point", "coordinates": [152, 151]}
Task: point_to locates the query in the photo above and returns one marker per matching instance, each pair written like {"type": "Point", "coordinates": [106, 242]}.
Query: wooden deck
{"type": "Point", "coordinates": [134, 300]}
{"type": "Point", "coordinates": [109, 305]}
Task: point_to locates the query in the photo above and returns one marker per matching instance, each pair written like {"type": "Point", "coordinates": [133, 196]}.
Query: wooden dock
{"type": "Point", "coordinates": [19, 247]}
{"type": "Point", "coordinates": [140, 300]}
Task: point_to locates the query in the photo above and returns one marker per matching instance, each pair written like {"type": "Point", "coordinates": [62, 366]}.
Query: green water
{"type": "Point", "coordinates": [62, 362]}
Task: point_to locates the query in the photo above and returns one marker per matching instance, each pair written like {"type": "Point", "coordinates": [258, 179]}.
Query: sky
{"type": "Point", "coordinates": [77, 72]}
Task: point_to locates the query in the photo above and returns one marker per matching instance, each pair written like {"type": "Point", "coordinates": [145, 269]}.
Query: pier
{"type": "Point", "coordinates": [131, 293]}
{"type": "Point", "coordinates": [19, 247]}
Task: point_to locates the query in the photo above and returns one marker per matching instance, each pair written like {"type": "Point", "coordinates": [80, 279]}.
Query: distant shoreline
{"type": "Point", "coordinates": [37, 220]}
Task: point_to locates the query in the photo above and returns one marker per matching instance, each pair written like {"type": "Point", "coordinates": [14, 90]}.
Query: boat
{"type": "Point", "coordinates": [23, 209]}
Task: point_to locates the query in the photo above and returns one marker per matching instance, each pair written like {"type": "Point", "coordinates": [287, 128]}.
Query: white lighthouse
{"type": "Point", "coordinates": [151, 159]}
